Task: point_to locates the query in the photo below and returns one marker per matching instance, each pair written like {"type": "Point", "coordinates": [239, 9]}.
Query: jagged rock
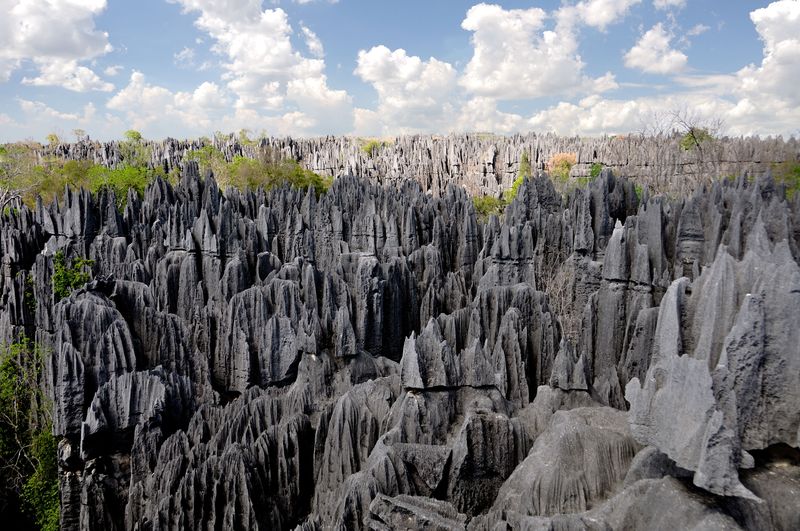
{"type": "Point", "coordinates": [412, 513]}
{"type": "Point", "coordinates": [578, 461]}
{"type": "Point", "coordinates": [711, 367]}
{"type": "Point", "coordinates": [270, 359]}
{"type": "Point", "coordinates": [660, 504]}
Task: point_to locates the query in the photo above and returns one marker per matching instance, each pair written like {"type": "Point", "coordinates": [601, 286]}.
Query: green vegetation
{"type": "Point", "coordinates": [486, 205]}
{"type": "Point", "coordinates": [267, 171]}
{"type": "Point", "coordinates": [133, 136]}
{"type": "Point", "coordinates": [639, 190]}
{"type": "Point", "coordinates": [694, 137]}
{"type": "Point", "coordinates": [28, 450]}
{"type": "Point", "coordinates": [371, 146]}
{"type": "Point", "coordinates": [524, 166]}
{"type": "Point", "coordinates": [68, 277]}
{"type": "Point", "coordinates": [788, 173]}
{"type": "Point", "coordinates": [596, 170]}
{"type": "Point", "coordinates": [119, 180]}
{"type": "Point", "coordinates": [26, 175]}
{"type": "Point", "coordinates": [560, 165]}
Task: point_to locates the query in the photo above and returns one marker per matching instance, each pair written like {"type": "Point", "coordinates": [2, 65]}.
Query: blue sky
{"type": "Point", "coordinates": [185, 68]}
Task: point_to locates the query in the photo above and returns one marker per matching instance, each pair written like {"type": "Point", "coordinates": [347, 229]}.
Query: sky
{"type": "Point", "coordinates": [189, 68]}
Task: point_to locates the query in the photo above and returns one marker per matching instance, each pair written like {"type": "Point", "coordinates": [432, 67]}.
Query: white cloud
{"type": "Point", "coordinates": [414, 95]}
{"type": "Point", "coordinates": [600, 13]}
{"type": "Point", "coordinates": [263, 70]}
{"type": "Point", "coordinates": [184, 58]}
{"type": "Point", "coordinates": [313, 43]}
{"type": "Point", "coordinates": [778, 76]}
{"type": "Point", "coordinates": [697, 29]}
{"type": "Point", "coordinates": [515, 57]}
{"type": "Point", "coordinates": [55, 34]}
{"type": "Point", "coordinates": [69, 75]}
{"type": "Point", "coordinates": [669, 4]}
{"type": "Point", "coordinates": [145, 106]}
{"type": "Point", "coordinates": [40, 109]}
{"type": "Point", "coordinates": [653, 54]}
{"type": "Point", "coordinates": [113, 70]}
{"type": "Point", "coordinates": [481, 114]}
{"type": "Point", "coordinates": [756, 100]}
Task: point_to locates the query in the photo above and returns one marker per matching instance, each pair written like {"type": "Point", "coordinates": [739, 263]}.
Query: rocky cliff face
{"type": "Point", "coordinates": [488, 164]}
{"type": "Point", "coordinates": [380, 358]}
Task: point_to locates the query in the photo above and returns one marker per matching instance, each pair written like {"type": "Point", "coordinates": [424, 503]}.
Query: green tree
{"type": "Point", "coordinates": [131, 135]}
{"type": "Point", "coordinates": [524, 166]}
{"type": "Point", "coordinates": [67, 277]}
{"type": "Point", "coordinates": [28, 450]}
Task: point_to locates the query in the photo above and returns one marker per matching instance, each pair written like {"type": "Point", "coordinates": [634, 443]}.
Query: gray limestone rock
{"type": "Point", "coordinates": [378, 356]}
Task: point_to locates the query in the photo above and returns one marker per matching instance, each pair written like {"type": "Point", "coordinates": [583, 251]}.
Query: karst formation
{"type": "Point", "coordinates": [382, 357]}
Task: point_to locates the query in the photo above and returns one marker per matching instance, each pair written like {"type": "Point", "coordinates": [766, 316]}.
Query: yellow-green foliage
{"type": "Point", "coordinates": [487, 205]}
{"type": "Point", "coordinates": [21, 170]}
{"type": "Point", "coordinates": [509, 195]}
{"type": "Point", "coordinates": [560, 165]}
{"type": "Point", "coordinates": [596, 170]}
{"type": "Point", "coordinates": [266, 171]}
{"type": "Point", "coordinates": [119, 180]}
{"type": "Point", "coordinates": [524, 166]}
{"type": "Point", "coordinates": [28, 466]}
{"type": "Point", "coordinates": [788, 173]}
{"type": "Point", "coordinates": [371, 147]}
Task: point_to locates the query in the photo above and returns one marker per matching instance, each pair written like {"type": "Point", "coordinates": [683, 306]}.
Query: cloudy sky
{"type": "Point", "coordinates": [185, 68]}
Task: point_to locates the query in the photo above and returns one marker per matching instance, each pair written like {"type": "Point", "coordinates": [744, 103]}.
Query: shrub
{"type": "Point", "coordinates": [788, 173]}
{"type": "Point", "coordinates": [119, 180]}
{"type": "Point", "coordinates": [266, 171]}
{"type": "Point", "coordinates": [371, 147]}
{"type": "Point", "coordinates": [487, 205]}
{"type": "Point", "coordinates": [524, 166]}
{"type": "Point", "coordinates": [560, 165]}
{"type": "Point", "coordinates": [40, 492]}
{"type": "Point", "coordinates": [28, 450]}
{"type": "Point", "coordinates": [596, 170]}
{"type": "Point", "coordinates": [68, 277]}
{"type": "Point", "coordinates": [510, 194]}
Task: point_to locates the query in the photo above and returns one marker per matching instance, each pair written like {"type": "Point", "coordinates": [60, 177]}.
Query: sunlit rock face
{"type": "Point", "coordinates": [380, 357]}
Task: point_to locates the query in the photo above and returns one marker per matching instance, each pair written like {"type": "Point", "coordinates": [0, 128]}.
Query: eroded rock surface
{"type": "Point", "coordinates": [381, 358]}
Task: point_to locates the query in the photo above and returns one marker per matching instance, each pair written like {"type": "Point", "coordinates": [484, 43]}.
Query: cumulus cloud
{"type": "Point", "coordinates": [516, 57]}
{"type": "Point", "coordinates": [599, 13]}
{"type": "Point", "coordinates": [481, 114]}
{"type": "Point", "coordinates": [778, 25]}
{"type": "Point", "coordinates": [413, 95]}
{"type": "Point", "coordinates": [56, 35]}
{"type": "Point", "coordinates": [756, 100]}
{"type": "Point", "coordinates": [653, 54]}
{"type": "Point", "coordinates": [148, 107]}
{"type": "Point", "coordinates": [38, 108]}
{"type": "Point", "coordinates": [263, 70]}
{"type": "Point", "coordinates": [69, 75]}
